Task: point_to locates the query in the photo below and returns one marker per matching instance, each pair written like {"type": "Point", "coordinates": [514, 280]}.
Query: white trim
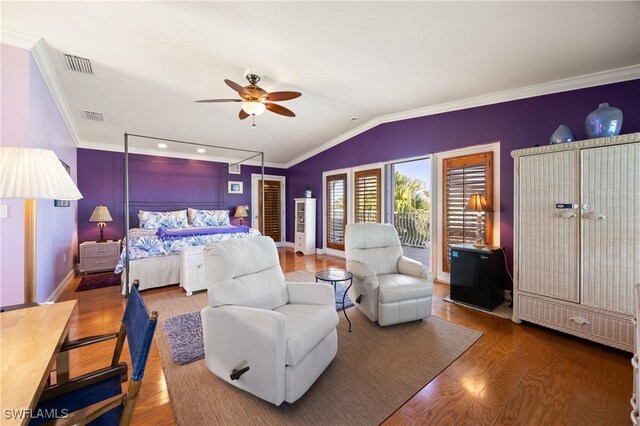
{"type": "Point", "coordinates": [40, 55]}
{"type": "Point", "coordinates": [62, 287]}
{"type": "Point", "coordinates": [255, 177]}
{"type": "Point", "coordinates": [334, 252]}
{"type": "Point", "coordinates": [17, 39]}
{"type": "Point", "coordinates": [437, 197]}
{"type": "Point", "coordinates": [580, 82]}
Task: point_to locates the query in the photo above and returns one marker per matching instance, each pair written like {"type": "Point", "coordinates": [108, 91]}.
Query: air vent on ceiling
{"type": "Point", "coordinates": [92, 116]}
{"type": "Point", "coordinates": [234, 169]}
{"type": "Point", "coordinates": [78, 64]}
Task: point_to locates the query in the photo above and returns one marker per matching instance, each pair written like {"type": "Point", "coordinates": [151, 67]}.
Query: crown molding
{"type": "Point", "coordinates": [172, 154]}
{"type": "Point", "coordinates": [17, 39]}
{"type": "Point", "coordinates": [43, 60]}
{"type": "Point", "coordinates": [580, 82]}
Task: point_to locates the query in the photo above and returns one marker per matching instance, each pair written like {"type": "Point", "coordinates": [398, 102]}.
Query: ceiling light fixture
{"type": "Point", "coordinates": [201, 150]}
{"type": "Point", "coordinates": [253, 108]}
{"type": "Point", "coordinates": [162, 145]}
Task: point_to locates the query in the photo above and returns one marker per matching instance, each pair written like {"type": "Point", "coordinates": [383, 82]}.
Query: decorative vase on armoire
{"type": "Point", "coordinates": [604, 121]}
{"type": "Point", "coordinates": [561, 135]}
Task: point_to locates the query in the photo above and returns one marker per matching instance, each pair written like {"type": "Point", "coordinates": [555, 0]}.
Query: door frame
{"type": "Point", "coordinates": [255, 179]}
{"type": "Point", "coordinates": [437, 199]}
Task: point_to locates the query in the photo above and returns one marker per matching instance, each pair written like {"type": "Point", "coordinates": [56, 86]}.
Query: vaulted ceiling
{"type": "Point", "coordinates": [376, 61]}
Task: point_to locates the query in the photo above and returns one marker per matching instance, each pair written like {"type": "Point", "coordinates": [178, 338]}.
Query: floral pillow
{"type": "Point", "coordinates": [155, 220]}
{"type": "Point", "coordinates": [209, 217]}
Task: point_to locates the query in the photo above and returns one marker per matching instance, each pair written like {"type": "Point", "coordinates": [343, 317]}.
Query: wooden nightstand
{"type": "Point", "coordinates": [99, 256]}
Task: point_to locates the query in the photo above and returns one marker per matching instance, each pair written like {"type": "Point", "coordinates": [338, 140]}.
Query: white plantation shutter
{"type": "Point", "coordinates": [367, 184]}
{"type": "Point", "coordinates": [336, 200]}
{"type": "Point", "coordinates": [462, 177]}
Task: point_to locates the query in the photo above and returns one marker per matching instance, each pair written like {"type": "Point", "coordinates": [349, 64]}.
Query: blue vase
{"type": "Point", "coordinates": [605, 121]}
{"type": "Point", "coordinates": [561, 135]}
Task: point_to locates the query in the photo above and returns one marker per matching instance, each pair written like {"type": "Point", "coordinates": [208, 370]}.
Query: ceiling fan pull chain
{"type": "Point", "coordinates": [253, 126]}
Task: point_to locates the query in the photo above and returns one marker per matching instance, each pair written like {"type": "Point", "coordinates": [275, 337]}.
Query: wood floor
{"type": "Point", "coordinates": [515, 374]}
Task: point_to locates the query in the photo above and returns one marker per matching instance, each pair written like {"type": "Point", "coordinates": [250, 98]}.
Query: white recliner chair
{"type": "Point", "coordinates": [267, 337]}
{"type": "Point", "coordinates": [387, 287]}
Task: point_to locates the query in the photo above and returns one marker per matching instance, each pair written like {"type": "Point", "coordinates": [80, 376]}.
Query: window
{"type": "Point", "coordinates": [367, 205]}
{"type": "Point", "coordinates": [462, 176]}
{"type": "Point", "coordinates": [336, 210]}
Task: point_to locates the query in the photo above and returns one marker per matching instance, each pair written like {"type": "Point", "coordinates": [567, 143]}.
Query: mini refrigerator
{"type": "Point", "coordinates": [477, 276]}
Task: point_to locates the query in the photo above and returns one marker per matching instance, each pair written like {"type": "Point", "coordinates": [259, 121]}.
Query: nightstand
{"type": "Point", "coordinates": [96, 257]}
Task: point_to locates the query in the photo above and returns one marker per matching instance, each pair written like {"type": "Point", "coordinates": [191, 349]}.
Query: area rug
{"type": "Point", "coordinates": [376, 370]}
{"type": "Point", "coordinates": [90, 282]}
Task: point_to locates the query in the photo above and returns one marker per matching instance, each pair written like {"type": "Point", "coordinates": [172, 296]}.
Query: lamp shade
{"type": "Point", "coordinates": [241, 211]}
{"type": "Point", "coordinates": [100, 214]}
{"type": "Point", "coordinates": [477, 203]}
{"type": "Point", "coordinates": [34, 173]}
{"type": "Point", "coordinates": [253, 108]}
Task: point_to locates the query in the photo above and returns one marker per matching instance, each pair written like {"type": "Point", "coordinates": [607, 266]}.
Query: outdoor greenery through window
{"type": "Point", "coordinates": [412, 210]}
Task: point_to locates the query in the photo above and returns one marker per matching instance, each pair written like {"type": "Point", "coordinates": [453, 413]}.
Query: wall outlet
{"type": "Point", "coordinates": [64, 258]}
{"type": "Point", "coordinates": [4, 211]}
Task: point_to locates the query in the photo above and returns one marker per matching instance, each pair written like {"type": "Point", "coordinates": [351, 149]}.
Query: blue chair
{"type": "Point", "coordinates": [96, 398]}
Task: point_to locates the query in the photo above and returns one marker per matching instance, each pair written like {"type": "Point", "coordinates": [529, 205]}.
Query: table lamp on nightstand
{"type": "Point", "coordinates": [101, 215]}
{"type": "Point", "coordinates": [241, 212]}
{"type": "Point", "coordinates": [31, 174]}
{"type": "Point", "coordinates": [478, 204]}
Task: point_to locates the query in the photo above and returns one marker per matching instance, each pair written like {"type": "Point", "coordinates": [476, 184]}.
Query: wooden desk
{"type": "Point", "coordinates": [29, 341]}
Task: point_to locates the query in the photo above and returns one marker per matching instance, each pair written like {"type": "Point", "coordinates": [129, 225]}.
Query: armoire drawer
{"type": "Point", "coordinates": [617, 332]}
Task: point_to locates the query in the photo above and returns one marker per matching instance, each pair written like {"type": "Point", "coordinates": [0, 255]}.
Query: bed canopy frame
{"type": "Point", "coordinates": [218, 204]}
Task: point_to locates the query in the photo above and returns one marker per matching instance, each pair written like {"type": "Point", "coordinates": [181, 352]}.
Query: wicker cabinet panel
{"type": "Point", "coordinates": [550, 237]}
{"type": "Point", "coordinates": [610, 226]}
{"type": "Point", "coordinates": [613, 331]}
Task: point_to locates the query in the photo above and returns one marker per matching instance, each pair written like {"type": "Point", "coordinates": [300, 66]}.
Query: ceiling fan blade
{"type": "Point", "coordinates": [219, 100]}
{"type": "Point", "coordinates": [235, 86]}
{"type": "Point", "coordinates": [279, 109]}
{"type": "Point", "coordinates": [282, 96]}
{"type": "Point", "coordinates": [242, 115]}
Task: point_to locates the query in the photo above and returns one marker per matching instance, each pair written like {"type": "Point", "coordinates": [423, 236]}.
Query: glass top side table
{"type": "Point", "coordinates": [334, 276]}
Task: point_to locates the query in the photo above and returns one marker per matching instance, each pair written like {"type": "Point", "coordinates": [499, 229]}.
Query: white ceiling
{"type": "Point", "coordinates": [349, 59]}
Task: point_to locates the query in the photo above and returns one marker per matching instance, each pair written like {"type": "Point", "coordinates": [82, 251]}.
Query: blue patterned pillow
{"type": "Point", "coordinates": [209, 217]}
{"type": "Point", "coordinates": [155, 220]}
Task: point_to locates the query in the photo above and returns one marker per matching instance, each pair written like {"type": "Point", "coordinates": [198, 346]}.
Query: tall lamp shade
{"type": "Point", "coordinates": [478, 204]}
{"type": "Point", "coordinates": [101, 215]}
{"type": "Point", "coordinates": [30, 174]}
{"type": "Point", "coordinates": [241, 212]}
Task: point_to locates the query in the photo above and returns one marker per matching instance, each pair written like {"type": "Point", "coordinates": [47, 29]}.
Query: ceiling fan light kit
{"type": "Point", "coordinates": [256, 100]}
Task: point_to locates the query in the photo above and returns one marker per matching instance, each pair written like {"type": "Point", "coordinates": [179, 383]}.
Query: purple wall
{"type": "Point", "coordinates": [30, 117]}
{"type": "Point", "coordinates": [517, 124]}
{"type": "Point", "coordinates": [152, 179]}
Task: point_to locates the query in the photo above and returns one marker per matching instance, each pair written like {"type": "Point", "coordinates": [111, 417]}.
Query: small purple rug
{"type": "Point", "coordinates": [89, 282]}
{"type": "Point", "coordinates": [184, 333]}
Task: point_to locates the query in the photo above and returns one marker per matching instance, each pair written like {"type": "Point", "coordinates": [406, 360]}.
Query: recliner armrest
{"type": "Point", "coordinates": [310, 294]}
{"type": "Point", "coordinates": [407, 266]}
{"type": "Point", "coordinates": [363, 273]}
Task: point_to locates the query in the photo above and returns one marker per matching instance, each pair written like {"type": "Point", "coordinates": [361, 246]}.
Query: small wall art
{"type": "Point", "coordinates": [235, 187]}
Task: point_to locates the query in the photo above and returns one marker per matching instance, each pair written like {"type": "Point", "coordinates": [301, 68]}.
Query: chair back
{"type": "Point", "coordinates": [245, 272]}
{"type": "Point", "coordinates": [139, 326]}
{"type": "Point", "coordinates": [374, 244]}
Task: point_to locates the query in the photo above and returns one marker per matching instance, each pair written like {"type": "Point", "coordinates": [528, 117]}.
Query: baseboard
{"type": "Point", "coordinates": [334, 253]}
{"type": "Point", "coordinates": [62, 287]}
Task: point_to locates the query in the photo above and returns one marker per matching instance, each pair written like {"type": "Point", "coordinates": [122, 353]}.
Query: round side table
{"type": "Point", "coordinates": [334, 276]}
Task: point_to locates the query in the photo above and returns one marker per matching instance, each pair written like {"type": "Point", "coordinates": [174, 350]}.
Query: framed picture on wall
{"type": "Point", "coordinates": [63, 203]}
{"type": "Point", "coordinates": [235, 187]}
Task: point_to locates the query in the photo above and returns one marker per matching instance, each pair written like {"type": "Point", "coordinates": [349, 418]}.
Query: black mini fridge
{"type": "Point", "coordinates": [477, 276]}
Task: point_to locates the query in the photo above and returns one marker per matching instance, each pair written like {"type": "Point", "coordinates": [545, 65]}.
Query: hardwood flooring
{"type": "Point", "coordinates": [514, 375]}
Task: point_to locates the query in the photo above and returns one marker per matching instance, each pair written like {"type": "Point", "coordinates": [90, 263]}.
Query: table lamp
{"type": "Point", "coordinates": [241, 211]}
{"type": "Point", "coordinates": [31, 174]}
{"type": "Point", "coordinates": [101, 215]}
{"type": "Point", "coordinates": [478, 203]}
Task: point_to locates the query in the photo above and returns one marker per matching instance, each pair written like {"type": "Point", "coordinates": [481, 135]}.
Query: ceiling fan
{"type": "Point", "coordinates": [256, 100]}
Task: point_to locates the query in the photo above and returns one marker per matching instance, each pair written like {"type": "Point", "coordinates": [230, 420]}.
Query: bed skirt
{"type": "Point", "coordinates": [153, 272]}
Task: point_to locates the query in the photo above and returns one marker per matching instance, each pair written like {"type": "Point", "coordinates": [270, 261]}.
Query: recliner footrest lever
{"type": "Point", "coordinates": [359, 299]}
{"type": "Point", "coordinates": [235, 374]}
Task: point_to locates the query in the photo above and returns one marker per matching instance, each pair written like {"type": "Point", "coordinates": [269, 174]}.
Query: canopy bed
{"type": "Point", "coordinates": [162, 229]}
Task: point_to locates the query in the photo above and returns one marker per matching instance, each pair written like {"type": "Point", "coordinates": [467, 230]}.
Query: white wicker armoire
{"type": "Point", "coordinates": [577, 237]}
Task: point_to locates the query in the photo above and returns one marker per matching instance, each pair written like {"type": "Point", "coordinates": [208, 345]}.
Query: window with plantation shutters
{"type": "Point", "coordinates": [367, 196]}
{"type": "Point", "coordinates": [336, 202]}
{"type": "Point", "coordinates": [463, 176]}
{"type": "Point", "coordinates": [271, 224]}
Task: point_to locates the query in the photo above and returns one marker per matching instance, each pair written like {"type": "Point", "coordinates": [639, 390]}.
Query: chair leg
{"type": "Point", "coordinates": [130, 402]}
